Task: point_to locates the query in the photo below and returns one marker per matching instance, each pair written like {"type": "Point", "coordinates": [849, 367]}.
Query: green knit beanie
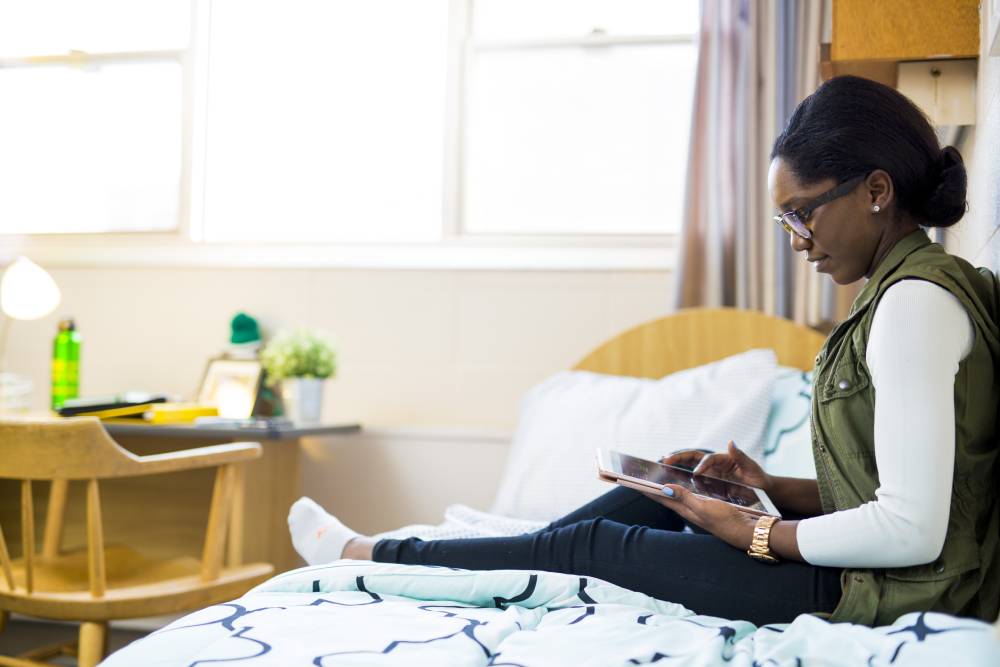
{"type": "Point", "coordinates": [245, 329]}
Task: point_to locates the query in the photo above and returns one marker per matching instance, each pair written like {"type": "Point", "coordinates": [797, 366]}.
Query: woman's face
{"type": "Point", "coordinates": [844, 237]}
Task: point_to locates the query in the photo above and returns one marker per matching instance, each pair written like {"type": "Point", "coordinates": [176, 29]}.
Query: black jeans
{"type": "Point", "coordinates": [630, 540]}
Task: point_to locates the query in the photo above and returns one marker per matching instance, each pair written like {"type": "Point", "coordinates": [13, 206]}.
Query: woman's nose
{"type": "Point", "coordinates": [799, 244]}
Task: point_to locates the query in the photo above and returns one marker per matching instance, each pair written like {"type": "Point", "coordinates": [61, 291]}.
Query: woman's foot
{"type": "Point", "coordinates": [317, 535]}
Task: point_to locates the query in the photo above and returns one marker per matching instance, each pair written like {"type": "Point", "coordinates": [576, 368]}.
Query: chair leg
{"type": "Point", "coordinates": [93, 643]}
{"type": "Point", "coordinates": [18, 662]}
{"type": "Point", "coordinates": [43, 654]}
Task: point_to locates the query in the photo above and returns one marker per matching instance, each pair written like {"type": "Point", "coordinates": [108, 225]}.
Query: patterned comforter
{"type": "Point", "coordinates": [362, 613]}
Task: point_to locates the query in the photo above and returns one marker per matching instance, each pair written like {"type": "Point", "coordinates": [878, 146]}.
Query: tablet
{"type": "Point", "coordinates": [641, 474]}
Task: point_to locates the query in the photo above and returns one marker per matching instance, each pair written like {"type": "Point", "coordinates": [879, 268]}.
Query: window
{"type": "Point", "coordinates": [326, 120]}
{"type": "Point", "coordinates": [578, 116]}
{"type": "Point", "coordinates": [91, 119]}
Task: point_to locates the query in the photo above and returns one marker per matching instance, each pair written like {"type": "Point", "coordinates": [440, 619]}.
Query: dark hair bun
{"type": "Point", "coordinates": [945, 204]}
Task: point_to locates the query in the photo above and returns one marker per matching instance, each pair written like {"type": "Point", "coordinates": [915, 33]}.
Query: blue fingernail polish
{"type": "Point", "coordinates": [667, 491]}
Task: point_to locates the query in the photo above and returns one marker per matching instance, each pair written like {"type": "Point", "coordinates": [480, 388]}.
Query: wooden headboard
{"type": "Point", "coordinates": [698, 336]}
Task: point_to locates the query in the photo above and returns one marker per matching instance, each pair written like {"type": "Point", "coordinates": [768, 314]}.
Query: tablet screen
{"type": "Point", "coordinates": [737, 494]}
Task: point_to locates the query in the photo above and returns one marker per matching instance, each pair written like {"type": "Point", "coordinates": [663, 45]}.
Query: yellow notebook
{"type": "Point", "coordinates": [177, 413]}
{"type": "Point", "coordinates": [119, 412]}
{"type": "Point", "coordinates": [159, 413]}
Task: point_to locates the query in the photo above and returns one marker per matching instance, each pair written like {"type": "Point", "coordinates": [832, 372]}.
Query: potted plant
{"type": "Point", "coordinates": [300, 361]}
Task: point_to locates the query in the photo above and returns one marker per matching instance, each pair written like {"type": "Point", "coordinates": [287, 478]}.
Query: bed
{"type": "Point", "coordinates": [360, 613]}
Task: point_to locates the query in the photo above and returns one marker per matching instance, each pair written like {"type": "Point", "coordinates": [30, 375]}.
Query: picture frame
{"type": "Point", "coordinates": [232, 386]}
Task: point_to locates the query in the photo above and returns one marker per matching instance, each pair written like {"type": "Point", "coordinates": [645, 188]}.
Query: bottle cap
{"type": "Point", "coordinates": [67, 325]}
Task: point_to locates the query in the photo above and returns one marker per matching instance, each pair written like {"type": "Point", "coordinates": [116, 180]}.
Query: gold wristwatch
{"type": "Point", "coordinates": [760, 548]}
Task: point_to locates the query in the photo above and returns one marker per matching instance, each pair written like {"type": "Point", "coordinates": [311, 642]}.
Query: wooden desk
{"type": "Point", "coordinates": [167, 514]}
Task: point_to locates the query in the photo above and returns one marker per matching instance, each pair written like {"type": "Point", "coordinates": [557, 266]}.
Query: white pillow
{"type": "Point", "coordinates": [551, 468]}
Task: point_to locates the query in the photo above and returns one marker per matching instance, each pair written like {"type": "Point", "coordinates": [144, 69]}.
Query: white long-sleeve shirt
{"type": "Point", "coordinates": [919, 334]}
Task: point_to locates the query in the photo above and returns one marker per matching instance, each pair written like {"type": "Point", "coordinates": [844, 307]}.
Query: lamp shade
{"type": "Point", "coordinates": [27, 291]}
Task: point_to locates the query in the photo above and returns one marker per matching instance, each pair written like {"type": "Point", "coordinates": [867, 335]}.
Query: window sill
{"type": "Point", "coordinates": [146, 251]}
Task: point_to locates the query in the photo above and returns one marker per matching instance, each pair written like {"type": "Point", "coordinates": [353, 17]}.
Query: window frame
{"type": "Point", "coordinates": [456, 249]}
{"type": "Point", "coordinates": [462, 23]}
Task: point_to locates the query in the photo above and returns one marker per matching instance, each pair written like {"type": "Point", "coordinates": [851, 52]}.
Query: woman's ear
{"type": "Point", "coordinates": [879, 190]}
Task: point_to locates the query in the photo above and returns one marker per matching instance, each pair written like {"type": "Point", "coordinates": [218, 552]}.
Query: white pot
{"type": "Point", "coordinates": [303, 399]}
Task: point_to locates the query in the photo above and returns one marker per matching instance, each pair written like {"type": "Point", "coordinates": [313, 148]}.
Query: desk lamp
{"type": "Point", "coordinates": [27, 292]}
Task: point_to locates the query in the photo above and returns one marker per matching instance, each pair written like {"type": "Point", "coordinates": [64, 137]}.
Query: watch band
{"type": "Point", "coordinates": [760, 548]}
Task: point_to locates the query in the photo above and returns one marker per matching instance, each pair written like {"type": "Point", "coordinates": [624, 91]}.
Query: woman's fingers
{"type": "Point", "coordinates": [684, 503]}
{"type": "Point", "coordinates": [703, 465]}
{"type": "Point", "coordinates": [723, 464]}
{"type": "Point", "coordinates": [676, 492]}
{"type": "Point", "coordinates": [684, 455]}
{"type": "Point", "coordinates": [686, 458]}
{"type": "Point", "coordinates": [747, 470]}
{"type": "Point", "coordinates": [712, 463]}
{"type": "Point", "coordinates": [737, 453]}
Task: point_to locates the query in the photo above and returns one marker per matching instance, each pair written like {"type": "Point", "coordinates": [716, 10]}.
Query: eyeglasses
{"type": "Point", "coordinates": [794, 221]}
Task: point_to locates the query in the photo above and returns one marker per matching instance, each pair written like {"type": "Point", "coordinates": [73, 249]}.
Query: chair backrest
{"type": "Point", "coordinates": [699, 336]}
{"type": "Point", "coordinates": [60, 450]}
{"type": "Point", "coordinates": [77, 448]}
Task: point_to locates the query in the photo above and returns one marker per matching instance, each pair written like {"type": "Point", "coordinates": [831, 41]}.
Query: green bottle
{"type": "Point", "coordinates": [65, 364]}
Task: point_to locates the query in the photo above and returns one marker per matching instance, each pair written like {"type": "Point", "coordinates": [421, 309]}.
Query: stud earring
{"type": "Point", "coordinates": [876, 208]}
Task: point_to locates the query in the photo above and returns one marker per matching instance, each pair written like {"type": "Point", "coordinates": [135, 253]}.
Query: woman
{"type": "Point", "coordinates": [904, 513]}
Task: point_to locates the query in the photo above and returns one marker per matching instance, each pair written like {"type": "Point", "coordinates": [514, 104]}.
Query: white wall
{"type": "Point", "coordinates": [379, 480]}
{"type": "Point", "coordinates": [976, 237]}
{"type": "Point", "coordinates": [417, 348]}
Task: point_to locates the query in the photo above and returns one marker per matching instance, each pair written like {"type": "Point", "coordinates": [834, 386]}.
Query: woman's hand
{"type": "Point", "coordinates": [725, 521]}
{"type": "Point", "coordinates": [685, 458]}
{"type": "Point", "coordinates": [732, 464]}
{"type": "Point", "coordinates": [728, 523]}
{"type": "Point", "coordinates": [721, 519]}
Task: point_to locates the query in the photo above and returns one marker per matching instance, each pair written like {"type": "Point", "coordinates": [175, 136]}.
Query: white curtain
{"type": "Point", "coordinates": [757, 60]}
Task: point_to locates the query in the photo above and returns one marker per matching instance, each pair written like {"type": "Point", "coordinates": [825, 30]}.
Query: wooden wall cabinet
{"type": "Point", "coordinates": [870, 37]}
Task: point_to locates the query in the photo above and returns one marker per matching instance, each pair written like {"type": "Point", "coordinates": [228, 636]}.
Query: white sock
{"type": "Point", "coordinates": [318, 536]}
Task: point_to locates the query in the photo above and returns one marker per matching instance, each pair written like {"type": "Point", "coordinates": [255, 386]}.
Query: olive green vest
{"type": "Point", "coordinates": [965, 578]}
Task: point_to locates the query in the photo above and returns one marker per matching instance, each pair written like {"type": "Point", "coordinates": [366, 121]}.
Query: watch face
{"type": "Point", "coordinates": [766, 558]}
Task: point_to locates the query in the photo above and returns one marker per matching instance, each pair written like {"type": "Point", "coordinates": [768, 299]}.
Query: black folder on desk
{"type": "Point", "coordinates": [123, 405]}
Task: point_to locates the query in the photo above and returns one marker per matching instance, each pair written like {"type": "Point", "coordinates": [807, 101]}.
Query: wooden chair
{"type": "Point", "coordinates": [97, 584]}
